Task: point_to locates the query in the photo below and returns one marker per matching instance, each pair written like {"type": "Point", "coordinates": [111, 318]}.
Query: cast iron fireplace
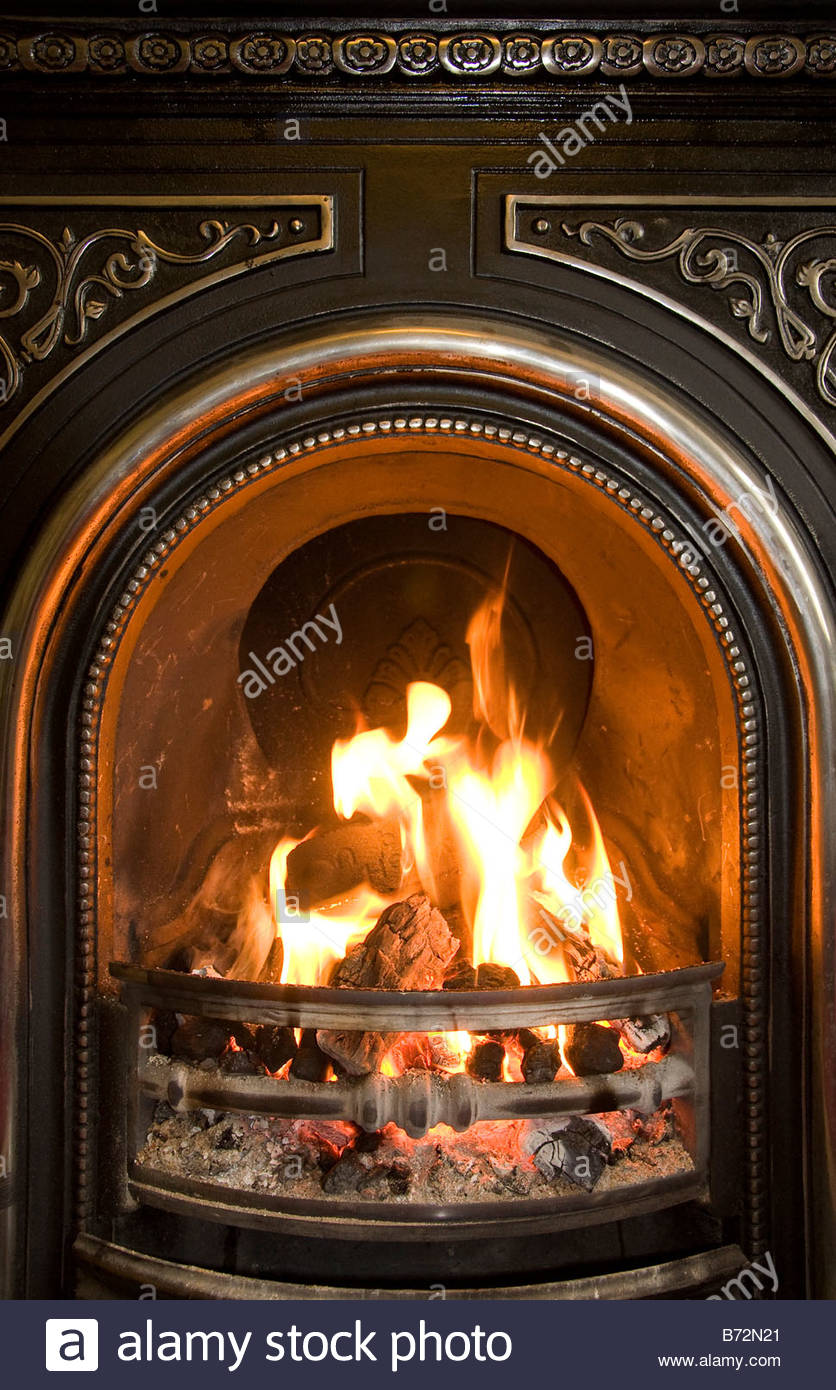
{"type": "Point", "coordinates": [418, 778]}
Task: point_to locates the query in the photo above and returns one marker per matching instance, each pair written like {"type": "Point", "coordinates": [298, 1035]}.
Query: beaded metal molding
{"type": "Point", "coordinates": [681, 552]}
{"type": "Point", "coordinates": [468, 53]}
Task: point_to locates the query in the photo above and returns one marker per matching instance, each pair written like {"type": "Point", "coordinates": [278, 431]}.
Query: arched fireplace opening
{"type": "Point", "coordinates": [508, 590]}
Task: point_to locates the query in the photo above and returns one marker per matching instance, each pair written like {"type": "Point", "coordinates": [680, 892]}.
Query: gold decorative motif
{"type": "Point", "coordinates": [761, 276]}
{"type": "Point", "coordinates": [701, 263]}
{"type": "Point", "coordinates": [418, 654]}
{"type": "Point", "coordinates": [83, 288]}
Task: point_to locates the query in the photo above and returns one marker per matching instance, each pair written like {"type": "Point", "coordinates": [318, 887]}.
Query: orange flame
{"type": "Point", "coordinates": [495, 701]}
{"type": "Point", "coordinates": [492, 813]}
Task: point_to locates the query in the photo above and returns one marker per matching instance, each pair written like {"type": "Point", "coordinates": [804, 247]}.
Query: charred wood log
{"type": "Point", "coordinates": [328, 865]}
{"type": "Point", "coordinates": [461, 975]}
{"type": "Point", "coordinates": [274, 1045]}
{"type": "Point", "coordinates": [239, 1062]}
{"type": "Point", "coordinates": [424, 1052]}
{"type": "Point", "coordinates": [540, 1062]}
{"type": "Point", "coordinates": [645, 1034]}
{"type": "Point", "coordinates": [453, 915]}
{"type": "Point", "coordinates": [491, 976]}
{"type": "Point", "coordinates": [589, 962]}
{"type": "Point", "coordinates": [199, 1038]}
{"type": "Point", "coordinates": [244, 1035]}
{"type": "Point", "coordinates": [592, 1050]}
{"type": "Point", "coordinates": [310, 1062]}
{"type": "Point", "coordinates": [442, 1054]}
{"type": "Point", "coordinates": [271, 970]}
{"type": "Point", "coordinates": [355, 1053]}
{"type": "Point", "coordinates": [485, 1061]}
{"type": "Point", "coordinates": [411, 947]}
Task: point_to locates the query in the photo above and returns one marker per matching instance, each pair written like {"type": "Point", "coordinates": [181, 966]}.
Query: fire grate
{"type": "Point", "coordinates": [416, 1102]}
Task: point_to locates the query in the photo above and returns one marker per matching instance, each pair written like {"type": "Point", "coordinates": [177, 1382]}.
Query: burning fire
{"type": "Point", "coordinates": [492, 810]}
{"type": "Point", "coordinates": [528, 878]}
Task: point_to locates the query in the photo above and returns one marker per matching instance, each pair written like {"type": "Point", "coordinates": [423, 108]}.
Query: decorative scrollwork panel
{"type": "Point", "coordinates": [778, 281]}
{"type": "Point", "coordinates": [56, 288]}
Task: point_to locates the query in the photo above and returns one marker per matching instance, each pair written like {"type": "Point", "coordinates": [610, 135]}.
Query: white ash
{"type": "Point", "coordinates": [489, 1162]}
{"type": "Point", "coordinates": [645, 1034]}
{"type": "Point", "coordinates": [570, 1146]}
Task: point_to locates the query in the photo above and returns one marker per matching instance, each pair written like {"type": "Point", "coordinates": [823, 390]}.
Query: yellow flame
{"type": "Point", "coordinates": [563, 1038]}
{"type": "Point", "coordinates": [594, 906]}
{"type": "Point", "coordinates": [492, 812]}
{"type": "Point", "coordinates": [495, 702]}
{"type": "Point", "coordinates": [460, 1044]}
{"type": "Point", "coordinates": [369, 772]}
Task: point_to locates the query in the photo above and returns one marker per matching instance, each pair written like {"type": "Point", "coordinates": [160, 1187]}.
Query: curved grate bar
{"type": "Point", "coordinates": [417, 1101]}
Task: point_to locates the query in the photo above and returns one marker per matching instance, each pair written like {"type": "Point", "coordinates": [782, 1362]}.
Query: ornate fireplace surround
{"type": "Point", "coordinates": [225, 247]}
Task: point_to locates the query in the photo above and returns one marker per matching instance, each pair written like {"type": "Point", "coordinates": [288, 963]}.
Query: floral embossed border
{"type": "Point", "coordinates": [472, 52]}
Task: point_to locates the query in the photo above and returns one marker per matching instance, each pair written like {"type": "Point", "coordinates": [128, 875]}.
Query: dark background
{"type": "Point", "coordinates": [782, 12]}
